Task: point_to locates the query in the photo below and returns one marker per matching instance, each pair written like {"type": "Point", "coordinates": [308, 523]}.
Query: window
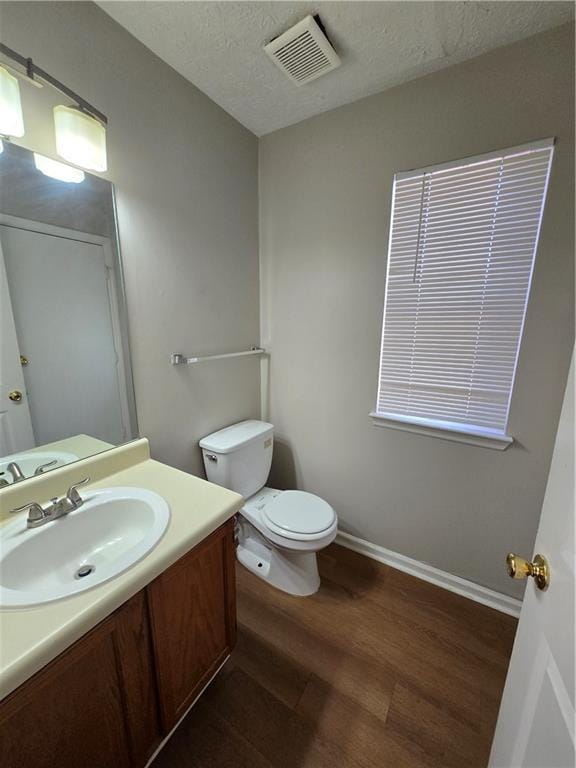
{"type": "Point", "coordinates": [463, 240]}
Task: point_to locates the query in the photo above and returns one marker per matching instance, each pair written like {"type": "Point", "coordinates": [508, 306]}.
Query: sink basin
{"type": "Point", "coordinates": [109, 533]}
{"type": "Point", "coordinates": [29, 461]}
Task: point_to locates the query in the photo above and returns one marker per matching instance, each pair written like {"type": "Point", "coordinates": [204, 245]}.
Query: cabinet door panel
{"type": "Point", "coordinates": [70, 714]}
{"type": "Point", "coordinates": [192, 610]}
{"type": "Point", "coordinates": [93, 706]}
{"type": "Point", "coordinates": [136, 670]}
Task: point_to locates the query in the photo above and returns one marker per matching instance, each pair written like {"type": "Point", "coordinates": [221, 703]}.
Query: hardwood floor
{"type": "Point", "coordinates": [377, 670]}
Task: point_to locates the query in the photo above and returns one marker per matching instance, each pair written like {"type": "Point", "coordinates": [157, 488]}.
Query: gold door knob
{"type": "Point", "coordinates": [24, 360]}
{"type": "Point", "coordinates": [15, 395]}
{"type": "Point", "coordinates": [518, 568]}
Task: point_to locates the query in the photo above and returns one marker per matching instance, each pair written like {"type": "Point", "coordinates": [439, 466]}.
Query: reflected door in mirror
{"type": "Point", "coordinates": [62, 303]}
{"type": "Point", "coordinates": [15, 423]}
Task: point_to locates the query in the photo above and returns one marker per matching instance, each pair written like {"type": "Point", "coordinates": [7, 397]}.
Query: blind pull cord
{"type": "Point", "coordinates": [417, 258]}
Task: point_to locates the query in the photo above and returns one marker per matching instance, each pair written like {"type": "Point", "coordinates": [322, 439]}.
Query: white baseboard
{"type": "Point", "coordinates": [469, 589]}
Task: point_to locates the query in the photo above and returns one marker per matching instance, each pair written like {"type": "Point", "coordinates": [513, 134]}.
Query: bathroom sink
{"type": "Point", "coordinates": [29, 461]}
{"type": "Point", "coordinates": [112, 530]}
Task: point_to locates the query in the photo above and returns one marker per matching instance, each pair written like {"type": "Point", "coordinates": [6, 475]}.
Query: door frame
{"type": "Point", "coordinates": [118, 311]}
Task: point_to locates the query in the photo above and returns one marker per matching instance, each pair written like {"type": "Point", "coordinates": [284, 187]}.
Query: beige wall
{"type": "Point", "coordinates": [185, 174]}
{"type": "Point", "coordinates": [324, 204]}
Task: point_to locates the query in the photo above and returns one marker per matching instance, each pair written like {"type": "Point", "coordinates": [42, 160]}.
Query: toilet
{"type": "Point", "coordinates": [279, 532]}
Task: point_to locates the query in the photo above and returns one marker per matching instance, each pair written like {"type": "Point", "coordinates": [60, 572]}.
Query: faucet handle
{"type": "Point", "coordinates": [35, 511]}
{"type": "Point", "coordinates": [39, 470]}
{"type": "Point", "coordinates": [73, 494]}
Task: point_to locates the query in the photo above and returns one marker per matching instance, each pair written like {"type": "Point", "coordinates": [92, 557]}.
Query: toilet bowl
{"type": "Point", "coordinates": [278, 532]}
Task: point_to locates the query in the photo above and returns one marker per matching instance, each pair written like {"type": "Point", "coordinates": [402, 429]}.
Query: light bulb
{"type": "Point", "coordinates": [58, 170]}
{"type": "Point", "coordinates": [80, 138]}
{"type": "Point", "coordinates": [11, 120]}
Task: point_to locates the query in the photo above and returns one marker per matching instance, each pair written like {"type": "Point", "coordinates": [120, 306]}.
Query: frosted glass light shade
{"type": "Point", "coordinates": [58, 170]}
{"type": "Point", "coordinates": [11, 120]}
{"type": "Point", "coordinates": [80, 138]}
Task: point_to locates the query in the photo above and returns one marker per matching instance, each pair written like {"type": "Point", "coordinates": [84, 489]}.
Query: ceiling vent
{"type": "Point", "coordinates": [303, 52]}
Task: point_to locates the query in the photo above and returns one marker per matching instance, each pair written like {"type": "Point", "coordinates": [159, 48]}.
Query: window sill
{"type": "Point", "coordinates": [486, 439]}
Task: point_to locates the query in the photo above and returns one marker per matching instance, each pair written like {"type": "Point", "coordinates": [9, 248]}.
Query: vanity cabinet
{"type": "Point", "coordinates": [111, 698]}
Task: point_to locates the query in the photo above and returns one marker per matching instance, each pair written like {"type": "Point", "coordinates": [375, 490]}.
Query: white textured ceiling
{"type": "Point", "coordinates": [218, 46]}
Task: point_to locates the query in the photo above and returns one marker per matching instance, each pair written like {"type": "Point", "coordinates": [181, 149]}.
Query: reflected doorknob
{"type": "Point", "coordinates": [519, 568]}
{"type": "Point", "coordinates": [15, 396]}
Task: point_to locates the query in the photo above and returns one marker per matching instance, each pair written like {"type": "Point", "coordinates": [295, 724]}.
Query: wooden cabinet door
{"type": "Point", "coordinates": [138, 681]}
{"type": "Point", "coordinates": [193, 617]}
{"type": "Point", "coordinates": [93, 706]}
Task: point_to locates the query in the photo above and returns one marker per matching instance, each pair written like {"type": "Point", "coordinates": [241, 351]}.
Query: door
{"type": "Point", "coordinates": [15, 424]}
{"type": "Point", "coordinates": [535, 726]}
{"type": "Point", "coordinates": [94, 706]}
{"type": "Point", "coordinates": [63, 312]}
{"type": "Point", "coordinates": [193, 617]}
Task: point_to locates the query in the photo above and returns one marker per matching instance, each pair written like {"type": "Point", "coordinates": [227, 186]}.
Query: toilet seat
{"type": "Point", "coordinates": [261, 511]}
{"type": "Point", "coordinates": [298, 515]}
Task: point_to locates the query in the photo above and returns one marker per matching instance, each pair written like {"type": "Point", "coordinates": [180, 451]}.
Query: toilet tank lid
{"type": "Point", "coordinates": [237, 435]}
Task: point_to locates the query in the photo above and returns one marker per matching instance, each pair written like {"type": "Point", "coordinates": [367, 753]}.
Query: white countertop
{"type": "Point", "coordinates": [31, 637]}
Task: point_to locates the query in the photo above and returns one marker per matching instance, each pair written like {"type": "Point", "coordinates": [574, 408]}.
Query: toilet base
{"type": "Point", "coordinates": [292, 572]}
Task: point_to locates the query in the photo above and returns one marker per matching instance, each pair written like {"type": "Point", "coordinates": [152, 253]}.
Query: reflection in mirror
{"type": "Point", "coordinates": [65, 378]}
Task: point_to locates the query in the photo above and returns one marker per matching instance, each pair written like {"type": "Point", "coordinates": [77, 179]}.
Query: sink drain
{"type": "Point", "coordinates": [84, 570]}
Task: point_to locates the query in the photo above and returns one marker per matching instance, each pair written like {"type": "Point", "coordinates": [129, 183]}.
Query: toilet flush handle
{"type": "Point", "coordinates": [211, 457]}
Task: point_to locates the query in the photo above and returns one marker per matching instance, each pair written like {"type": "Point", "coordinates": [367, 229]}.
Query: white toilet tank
{"type": "Point", "coordinates": [239, 457]}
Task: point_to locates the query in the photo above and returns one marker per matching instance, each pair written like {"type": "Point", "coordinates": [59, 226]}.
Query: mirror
{"type": "Point", "coordinates": [66, 387]}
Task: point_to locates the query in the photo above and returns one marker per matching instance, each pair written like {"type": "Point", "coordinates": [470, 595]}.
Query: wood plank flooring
{"type": "Point", "coordinates": [377, 670]}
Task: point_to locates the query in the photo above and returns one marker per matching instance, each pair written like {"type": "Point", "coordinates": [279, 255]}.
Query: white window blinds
{"type": "Point", "coordinates": [462, 244]}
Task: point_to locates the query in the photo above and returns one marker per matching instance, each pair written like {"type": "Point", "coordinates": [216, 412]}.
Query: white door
{"type": "Point", "coordinates": [61, 290]}
{"type": "Point", "coordinates": [15, 424]}
{"type": "Point", "coordinates": [536, 721]}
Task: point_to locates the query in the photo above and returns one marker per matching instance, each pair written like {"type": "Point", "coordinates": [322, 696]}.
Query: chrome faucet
{"type": "Point", "coordinates": [38, 515]}
{"type": "Point", "coordinates": [16, 472]}
{"type": "Point", "coordinates": [18, 475]}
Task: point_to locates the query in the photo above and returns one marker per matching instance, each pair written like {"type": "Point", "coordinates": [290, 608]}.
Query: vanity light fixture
{"type": "Point", "coordinates": [80, 138]}
{"type": "Point", "coordinates": [11, 120]}
{"type": "Point", "coordinates": [80, 129]}
{"type": "Point", "coordinates": [58, 170]}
